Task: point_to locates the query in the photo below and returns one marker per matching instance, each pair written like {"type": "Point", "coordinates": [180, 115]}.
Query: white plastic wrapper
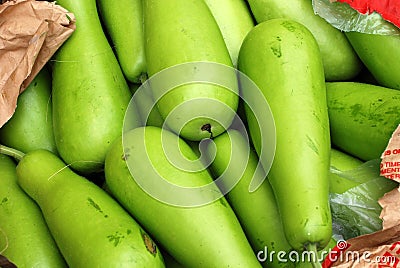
{"type": "Point", "coordinates": [343, 17]}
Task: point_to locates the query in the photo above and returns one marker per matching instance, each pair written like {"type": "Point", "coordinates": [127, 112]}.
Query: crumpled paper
{"type": "Point", "coordinates": [390, 213]}
{"type": "Point", "coordinates": [379, 249]}
{"type": "Point", "coordinates": [30, 33]}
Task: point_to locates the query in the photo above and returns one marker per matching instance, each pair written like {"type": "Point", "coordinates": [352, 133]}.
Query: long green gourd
{"type": "Point", "coordinates": [90, 94]}
{"type": "Point", "coordinates": [282, 57]}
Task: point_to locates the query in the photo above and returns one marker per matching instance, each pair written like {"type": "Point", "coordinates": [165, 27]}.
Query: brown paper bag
{"type": "Point", "coordinates": [30, 33]}
{"type": "Point", "coordinates": [380, 249]}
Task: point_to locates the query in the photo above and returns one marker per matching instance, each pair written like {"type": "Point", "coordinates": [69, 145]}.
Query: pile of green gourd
{"type": "Point", "coordinates": [68, 197]}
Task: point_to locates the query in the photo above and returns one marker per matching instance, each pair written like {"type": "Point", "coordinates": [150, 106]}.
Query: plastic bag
{"type": "Point", "coordinates": [343, 17]}
{"type": "Point", "coordinates": [356, 212]}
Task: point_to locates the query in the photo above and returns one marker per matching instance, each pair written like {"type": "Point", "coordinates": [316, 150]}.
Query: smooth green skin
{"type": "Point", "coordinates": [90, 228]}
{"type": "Point", "coordinates": [144, 103]}
{"type": "Point", "coordinates": [24, 237]}
{"type": "Point", "coordinates": [380, 54]}
{"type": "Point", "coordinates": [339, 58]}
{"type": "Point", "coordinates": [203, 236]}
{"type": "Point", "coordinates": [282, 57]}
{"type": "Point", "coordinates": [234, 20]}
{"type": "Point", "coordinates": [362, 117]}
{"type": "Point", "coordinates": [257, 211]}
{"type": "Point", "coordinates": [31, 126]}
{"type": "Point", "coordinates": [178, 32]}
{"type": "Point", "coordinates": [123, 21]}
{"type": "Point", "coordinates": [342, 162]}
{"type": "Point", "coordinates": [90, 93]}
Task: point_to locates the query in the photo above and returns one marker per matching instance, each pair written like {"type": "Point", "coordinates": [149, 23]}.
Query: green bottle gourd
{"type": "Point", "coordinates": [24, 236]}
{"type": "Point", "coordinates": [282, 57]}
{"type": "Point", "coordinates": [90, 93]}
{"type": "Point", "coordinates": [90, 228]}
{"type": "Point", "coordinates": [181, 32]}
{"type": "Point", "coordinates": [199, 233]}
{"type": "Point", "coordinates": [31, 126]}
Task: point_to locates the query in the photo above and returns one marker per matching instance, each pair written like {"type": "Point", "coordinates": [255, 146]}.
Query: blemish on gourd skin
{"type": "Point", "coordinates": [125, 154]}
{"type": "Point", "coordinates": [92, 203]}
{"type": "Point", "coordinates": [289, 26]}
{"type": "Point", "coordinates": [223, 202]}
{"type": "Point", "coordinates": [355, 109]}
{"type": "Point", "coordinates": [276, 49]}
{"type": "Point", "coordinates": [149, 244]}
{"type": "Point", "coordinates": [5, 200]}
{"type": "Point", "coordinates": [312, 145]}
{"type": "Point", "coordinates": [115, 238]}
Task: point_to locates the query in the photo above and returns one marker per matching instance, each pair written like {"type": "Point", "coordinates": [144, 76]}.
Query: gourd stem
{"type": "Point", "coordinates": [17, 155]}
{"type": "Point", "coordinates": [312, 249]}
